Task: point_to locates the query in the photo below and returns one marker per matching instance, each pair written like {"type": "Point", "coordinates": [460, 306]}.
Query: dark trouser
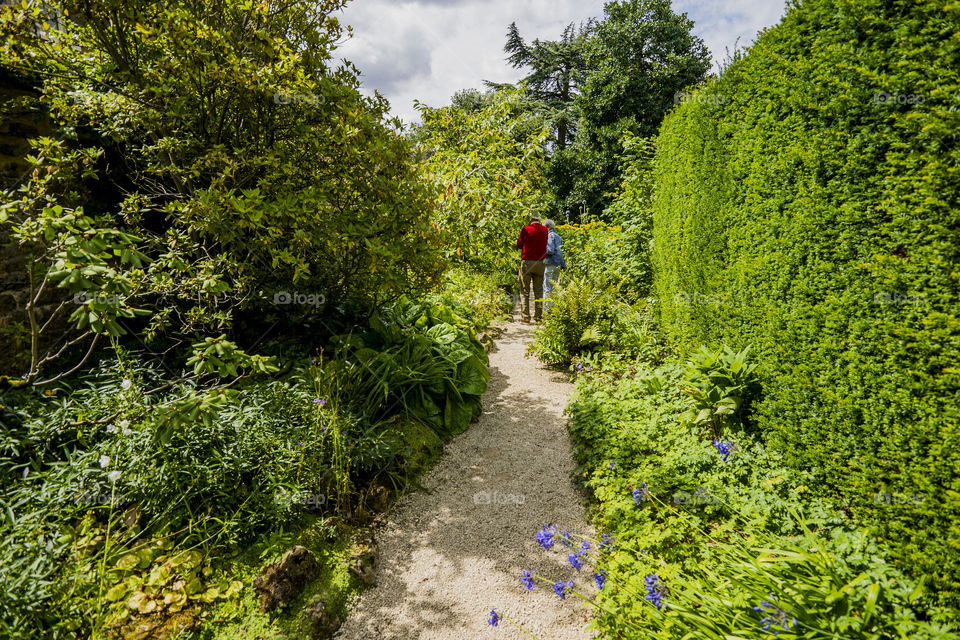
{"type": "Point", "coordinates": [531, 272]}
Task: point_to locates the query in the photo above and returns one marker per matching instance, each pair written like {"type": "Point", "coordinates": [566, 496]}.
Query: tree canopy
{"type": "Point", "coordinates": [233, 159]}
{"type": "Point", "coordinates": [616, 76]}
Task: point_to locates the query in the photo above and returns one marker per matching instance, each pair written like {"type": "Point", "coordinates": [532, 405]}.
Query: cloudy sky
{"type": "Point", "coordinates": [429, 49]}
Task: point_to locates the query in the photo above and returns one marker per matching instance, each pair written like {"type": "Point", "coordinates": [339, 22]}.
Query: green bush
{"type": "Point", "coordinates": [421, 358]}
{"type": "Point", "coordinates": [724, 533]}
{"type": "Point", "coordinates": [87, 475]}
{"type": "Point", "coordinates": [722, 385]}
{"type": "Point", "coordinates": [486, 165]}
{"type": "Point", "coordinates": [208, 211]}
{"type": "Point", "coordinates": [807, 203]}
{"type": "Point", "coordinates": [596, 251]}
{"type": "Point", "coordinates": [587, 320]}
{"type": "Point", "coordinates": [632, 210]}
{"type": "Point", "coordinates": [474, 296]}
{"type": "Point", "coordinates": [577, 307]}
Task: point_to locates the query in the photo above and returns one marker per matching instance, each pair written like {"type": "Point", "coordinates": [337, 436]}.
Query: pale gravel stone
{"type": "Point", "coordinates": [445, 560]}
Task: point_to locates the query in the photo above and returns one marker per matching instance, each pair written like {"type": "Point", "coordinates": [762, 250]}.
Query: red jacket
{"type": "Point", "coordinates": [533, 242]}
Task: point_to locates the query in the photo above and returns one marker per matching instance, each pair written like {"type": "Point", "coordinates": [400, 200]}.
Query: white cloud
{"type": "Point", "coordinates": [429, 49]}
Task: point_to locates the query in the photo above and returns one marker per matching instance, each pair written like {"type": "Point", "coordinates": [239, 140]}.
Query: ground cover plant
{"type": "Point", "coordinates": [713, 537]}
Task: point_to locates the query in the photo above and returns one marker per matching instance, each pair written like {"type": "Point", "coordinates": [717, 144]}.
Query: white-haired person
{"type": "Point", "coordinates": [554, 261]}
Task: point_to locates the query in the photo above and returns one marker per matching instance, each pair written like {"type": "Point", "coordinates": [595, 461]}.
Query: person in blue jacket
{"type": "Point", "coordinates": [554, 261]}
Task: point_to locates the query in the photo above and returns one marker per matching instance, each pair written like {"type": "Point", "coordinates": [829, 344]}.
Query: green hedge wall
{"type": "Point", "coordinates": [807, 203]}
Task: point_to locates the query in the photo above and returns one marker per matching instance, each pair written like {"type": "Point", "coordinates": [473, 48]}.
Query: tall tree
{"type": "Point", "coordinates": [639, 58]}
{"type": "Point", "coordinates": [557, 72]}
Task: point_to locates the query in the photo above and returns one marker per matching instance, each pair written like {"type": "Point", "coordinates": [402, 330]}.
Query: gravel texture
{"type": "Point", "coordinates": [449, 555]}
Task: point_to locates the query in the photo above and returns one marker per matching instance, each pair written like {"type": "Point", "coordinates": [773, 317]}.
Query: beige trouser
{"type": "Point", "coordinates": [531, 272]}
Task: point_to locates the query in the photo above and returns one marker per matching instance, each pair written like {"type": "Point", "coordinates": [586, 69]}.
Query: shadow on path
{"type": "Point", "coordinates": [452, 553]}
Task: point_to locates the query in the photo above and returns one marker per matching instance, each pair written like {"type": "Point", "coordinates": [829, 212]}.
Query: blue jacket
{"type": "Point", "coordinates": [555, 251]}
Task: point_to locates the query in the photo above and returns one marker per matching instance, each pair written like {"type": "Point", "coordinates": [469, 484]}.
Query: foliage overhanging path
{"type": "Point", "coordinates": [449, 555]}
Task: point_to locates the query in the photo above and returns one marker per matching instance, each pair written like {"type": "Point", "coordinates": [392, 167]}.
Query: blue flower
{"type": "Point", "coordinates": [575, 561]}
{"type": "Point", "coordinates": [527, 580]}
{"type": "Point", "coordinates": [775, 614]}
{"type": "Point", "coordinates": [319, 401]}
{"type": "Point", "coordinates": [606, 542]}
{"type": "Point", "coordinates": [725, 448]}
{"type": "Point", "coordinates": [566, 539]}
{"type": "Point", "coordinates": [656, 589]}
{"type": "Point", "coordinates": [584, 547]}
{"type": "Point", "coordinates": [579, 366]}
{"type": "Point", "coordinates": [601, 578]}
{"type": "Point", "coordinates": [613, 463]}
{"type": "Point", "coordinates": [494, 618]}
{"type": "Point", "coordinates": [639, 495]}
{"type": "Point", "coordinates": [562, 588]}
{"type": "Point", "coordinates": [545, 536]}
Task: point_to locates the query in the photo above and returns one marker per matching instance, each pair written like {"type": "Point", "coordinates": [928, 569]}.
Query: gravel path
{"type": "Point", "coordinates": [449, 555]}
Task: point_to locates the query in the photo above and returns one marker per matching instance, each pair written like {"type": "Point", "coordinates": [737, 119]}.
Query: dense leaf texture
{"type": "Point", "coordinates": [807, 204]}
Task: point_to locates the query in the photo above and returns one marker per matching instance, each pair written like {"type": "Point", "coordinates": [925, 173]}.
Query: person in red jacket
{"type": "Point", "coordinates": [532, 244]}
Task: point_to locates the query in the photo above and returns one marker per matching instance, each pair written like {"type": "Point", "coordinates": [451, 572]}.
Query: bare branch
{"type": "Point", "coordinates": [83, 361]}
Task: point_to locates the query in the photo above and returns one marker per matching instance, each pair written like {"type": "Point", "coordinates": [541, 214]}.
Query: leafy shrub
{"type": "Point", "coordinates": [806, 203]}
{"type": "Point", "coordinates": [474, 296]}
{"type": "Point", "coordinates": [721, 385]}
{"type": "Point", "coordinates": [632, 210]}
{"type": "Point", "coordinates": [577, 307]}
{"type": "Point", "coordinates": [585, 320]}
{"type": "Point", "coordinates": [224, 199]}
{"type": "Point", "coordinates": [722, 533]}
{"type": "Point", "coordinates": [486, 166]}
{"type": "Point", "coordinates": [594, 250]}
{"type": "Point", "coordinates": [422, 359]}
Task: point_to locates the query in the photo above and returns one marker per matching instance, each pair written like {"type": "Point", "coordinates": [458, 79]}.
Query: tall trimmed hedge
{"type": "Point", "coordinates": [808, 203]}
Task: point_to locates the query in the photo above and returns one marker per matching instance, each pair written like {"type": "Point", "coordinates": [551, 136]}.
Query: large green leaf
{"type": "Point", "coordinates": [426, 409]}
{"type": "Point", "coordinates": [442, 333]}
{"type": "Point", "coordinates": [458, 412]}
{"type": "Point", "coordinates": [472, 376]}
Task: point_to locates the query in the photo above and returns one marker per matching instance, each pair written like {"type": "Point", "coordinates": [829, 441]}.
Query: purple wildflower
{"type": "Point", "coordinates": [656, 589]}
{"type": "Point", "coordinates": [613, 463]}
{"type": "Point", "coordinates": [527, 580]}
{"type": "Point", "coordinates": [562, 588]}
{"type": "Point", "coordinates": [545, 536]}
{"type": "Point", "coordinates": [319, 401]}
{"type": "Point", "coordinates": [575, 561]}
{"type": "Point", "coordinates": [639, 495]}
{"type": "Point", "coordinates": [494, 618]}
{"type": "Point", "coordinates": [725, 448]}
{"type": "Point", "coordinates": [601, 578]}
{"type": "Point", "coordinates": [775, 615]}
{"type": "Point", "coordinates": [606, 542]}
